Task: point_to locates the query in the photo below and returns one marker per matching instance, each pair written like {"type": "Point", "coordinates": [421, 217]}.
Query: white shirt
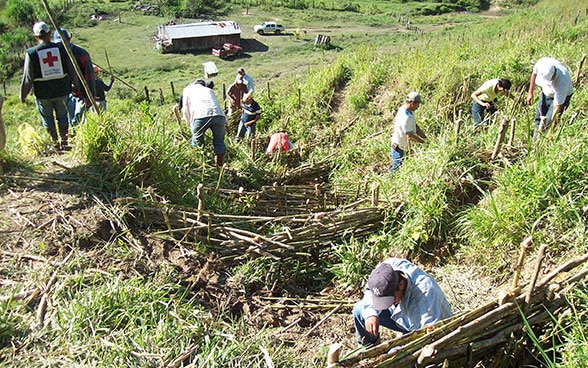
{"type": "Point", "coordinates": [199, 102]}
{"type": "Point", "coordinates": [560, 87]}
{"type": "Point", "coordinates": [404, 123]}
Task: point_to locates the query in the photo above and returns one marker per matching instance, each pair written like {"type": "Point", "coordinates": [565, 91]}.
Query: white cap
{"type": "Point", "coordinates": [40, 27]}
{"type": "Point", "coordinates": [414, 96]}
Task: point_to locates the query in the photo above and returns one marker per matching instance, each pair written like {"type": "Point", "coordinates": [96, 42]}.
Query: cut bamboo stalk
{"type": "Point", "coordinates": [333, 353]}
{"type": "Point", "coordinates": [540, 257]}
{"type": "Point", "coordinates": [513, 124]}
{"type": "Point", "coordinates": [579, 71]}
{"type": "Point", "coordinates": [323, 320]}
{"type": "Point", "coordinates": [525, 246]}
{"type": "Point", "coordinates": [500, 137]}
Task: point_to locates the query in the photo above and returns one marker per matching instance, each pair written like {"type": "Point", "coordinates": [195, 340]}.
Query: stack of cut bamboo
{"type": "Point", "coordinates": [242, 236]}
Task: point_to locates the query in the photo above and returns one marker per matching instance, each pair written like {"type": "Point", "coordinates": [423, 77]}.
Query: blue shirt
{"type": "Point", "coordinates": [423, 304]}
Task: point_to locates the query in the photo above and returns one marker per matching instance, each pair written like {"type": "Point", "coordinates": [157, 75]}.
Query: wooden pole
{"type": "Point", "coordinates": [525, 246]}
{"type": "Point", "coordinates": [513, 124]}
{"type": "Point", "coordinates": [269, 96]}
{"type": "Point", "coordinates": [500, 137]}
{"type": "Point", "coordinates": [147, 94]}
{"type": "Point", "coordinates": [171, 83]}
{"type": "Point", "coordinates": [540, 257]}
{"type": "Point", "coordinates": [161, 99]}
{"type": "Point", "coordinates": [458, 125]}
{"type": "Point", "coordinates": [120, 80]}
{"type": "Point", "coordinates": [298, 98]}
{"type": "Point", "coordinates": [72, 58]}
{"type": "Point", "coordinates": [578, 72]}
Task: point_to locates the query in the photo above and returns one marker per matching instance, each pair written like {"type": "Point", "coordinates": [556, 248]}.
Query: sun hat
{"type": "Point", "coordinates": [40, 27]}
{"type": "Point", "coordinates": [383, 283]}
{"type": "Point", "coordinates": [414, 97]}
{"type": "Point", "coordinates": [57, 36]}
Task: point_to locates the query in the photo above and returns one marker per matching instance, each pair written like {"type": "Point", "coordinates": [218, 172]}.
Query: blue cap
{"type": "Point", "coordinates": [57, 37]}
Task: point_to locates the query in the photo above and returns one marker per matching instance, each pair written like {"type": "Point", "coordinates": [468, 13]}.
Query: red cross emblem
{"type": "Point", "coordinates": [50, 59]}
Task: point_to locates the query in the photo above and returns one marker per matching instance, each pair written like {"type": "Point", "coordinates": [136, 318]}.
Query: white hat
{"type": "Point", "coordinates": [414, 96]}
{"type": "Point", "coordinates": [40, 27]}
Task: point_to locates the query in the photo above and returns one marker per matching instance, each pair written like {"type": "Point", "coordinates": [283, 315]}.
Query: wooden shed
{"type": "Point", "coordinates": [197, 36]}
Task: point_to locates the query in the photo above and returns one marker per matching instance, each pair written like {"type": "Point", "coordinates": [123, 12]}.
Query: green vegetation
{"type": "Point", "coordinates": [458, 204]}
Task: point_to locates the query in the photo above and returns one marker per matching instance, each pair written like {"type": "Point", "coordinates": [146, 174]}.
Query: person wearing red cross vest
{"type": "Point", "coordinates": [49, 73]}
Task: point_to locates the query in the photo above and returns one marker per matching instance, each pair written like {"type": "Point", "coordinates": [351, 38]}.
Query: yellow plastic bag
{"type": "Point", "coordinates": [30, 141]}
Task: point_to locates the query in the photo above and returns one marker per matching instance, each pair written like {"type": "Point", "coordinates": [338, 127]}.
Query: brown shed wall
{"type": "Point", "coordinates": [203, 43]}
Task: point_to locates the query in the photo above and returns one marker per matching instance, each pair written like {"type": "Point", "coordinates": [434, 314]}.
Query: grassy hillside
{"type": "Point", "coordinates": [118, 299]}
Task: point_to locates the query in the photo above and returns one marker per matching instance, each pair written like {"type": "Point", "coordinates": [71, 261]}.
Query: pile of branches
{"type": "Point", "coordinates": [283, 200]}
{"type": "Point", "coordinates": [490, 334]}
{"type": "Point", "coordinates": [238, 237]}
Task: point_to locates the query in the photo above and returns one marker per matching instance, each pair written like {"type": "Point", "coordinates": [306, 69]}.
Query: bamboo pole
{"type": "Point", "coordinates": [579, 71]}
{"type": "Point", "coordinates": [513, 124]}
{"type": "Point", "coordinates": [120, 80]}
{"type": "Point", "coordinates": [500, 137]}
{"type": "Point", "coordinates": [535, 275]}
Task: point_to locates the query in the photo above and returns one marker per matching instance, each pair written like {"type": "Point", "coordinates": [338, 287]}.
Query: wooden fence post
{"type": "Point", "coordinates": [375, 194]}
{"type": "Point", "coordinates": [269, 96]}
{"type": "Point", "coordinates": [298, 98]}
{"type": "Point", "coordinates": [458, 124]}
{"type": "Point", "coordinates": [171, 83]}
{"type": "Point", "coordinates": [580, 68]}
{"type": "Point", "coordinates": [513, 125]}
{"type": "Point", "coordinates": [161, 99]}
{"type": "Point", "coordinates": [147, 94]}
{"type": "Point", "coordinates": [500, 137]}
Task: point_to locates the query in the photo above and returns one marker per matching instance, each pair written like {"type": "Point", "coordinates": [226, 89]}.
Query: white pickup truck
{"type": "Point", "coordinates": [269, 27]}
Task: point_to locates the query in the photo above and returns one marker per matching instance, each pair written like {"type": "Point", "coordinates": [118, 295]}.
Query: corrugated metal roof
{"type": "Point", "coordinates": [204, 29]}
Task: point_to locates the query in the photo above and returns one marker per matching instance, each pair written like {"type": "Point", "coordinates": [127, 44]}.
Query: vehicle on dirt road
{"type": "Point", "coordinates": [269, 27]}
{"type": "Point", "coordinates": [227, 50]}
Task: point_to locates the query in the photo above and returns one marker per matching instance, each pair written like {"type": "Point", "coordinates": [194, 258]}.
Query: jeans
{"type": "Point", "coordinates": [479, 113]}
{"type": "Point", "coordinates": [397, 158]}
{"type": "Point", "coordinates": [46, 108]}
{"type": "Point", "coordinates": [217, 125]}
{"type": "Point", "coordinates": [76, 107]}
{"type": "Point", "coordinates": [545, 108]}
{"type": "Point", "coordinates": [384, 316]}
{"type": "Point", "coordinates": [245, 131]}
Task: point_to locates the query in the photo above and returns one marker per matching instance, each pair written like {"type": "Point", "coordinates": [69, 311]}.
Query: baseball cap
{"type": "Point", "coordinates": [414, 96]}
{"type": "Point", "coordinates": [40, 27]}
{"type": "Point", "coordinates": [57, 37]}
{"type": "Point", "coordinates": [383, 282]}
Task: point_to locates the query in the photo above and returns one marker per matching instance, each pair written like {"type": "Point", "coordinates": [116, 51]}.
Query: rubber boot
{"type": "Point", "coordinates": [219, 159]}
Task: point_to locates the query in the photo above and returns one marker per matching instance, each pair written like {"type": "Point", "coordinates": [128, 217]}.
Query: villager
{"type": "Point", "coordinates": [405, 128]}
{"type": "Point", "coordinates": [399, 296]}
{"type": "Point", "coordinates": [235, 94]}
{"type": "Point", "coordinates": [484, 98]}
{"type": "Point", "coordinates": [279, 142]}
{"type": "Point", "coordinates": [247, 80]}
{"type": "Point", "coordinates": [78, 101]}
{"type": "Point", "coordinates": [49, 73]}
{"type": "Point", "coordinates": [556, 90]}
{"type": "Point", "coordinates": [251, 115]}
{"type": "Point", "coordinates": [2, 127]}
{"type": "Point", "coordinates": [101, 89]}
{"type": "Point", "coordinates": [202, 111]}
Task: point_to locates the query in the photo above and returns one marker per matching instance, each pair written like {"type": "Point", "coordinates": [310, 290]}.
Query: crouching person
{"type": "Point", "coordinates": [401, 297]}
